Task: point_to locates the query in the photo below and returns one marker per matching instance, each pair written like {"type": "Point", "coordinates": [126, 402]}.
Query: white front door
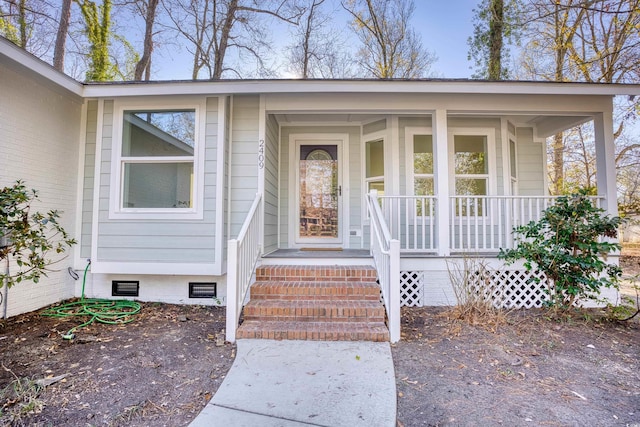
{"type": "Point", "coordinates": [318, 192]}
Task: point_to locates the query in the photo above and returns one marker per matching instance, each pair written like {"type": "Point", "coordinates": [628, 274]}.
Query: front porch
{"type": "Point", "coordinates": [409, 190]}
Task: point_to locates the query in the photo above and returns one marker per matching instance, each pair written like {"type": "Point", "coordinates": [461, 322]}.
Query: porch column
{"type": "Point", "coordinates": [606, 161]}
{"type": "Point", "coordinates": [262, 152]}
{"type": "Point", "coordinates": [441, 173]}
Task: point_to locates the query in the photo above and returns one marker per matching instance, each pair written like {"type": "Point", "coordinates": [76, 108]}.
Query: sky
{"type": "Point", "coordinates": [445, 26]}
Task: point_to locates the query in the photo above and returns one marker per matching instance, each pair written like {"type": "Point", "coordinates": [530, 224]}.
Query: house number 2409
{"type": "Point", "coordinates": [261, 154]}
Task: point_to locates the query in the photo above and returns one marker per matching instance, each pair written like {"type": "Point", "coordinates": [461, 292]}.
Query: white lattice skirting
{"type": "Point", "coordinates": [506, 288]}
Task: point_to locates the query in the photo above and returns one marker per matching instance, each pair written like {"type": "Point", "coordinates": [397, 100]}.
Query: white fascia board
{"type": "Point", "coordinates": [223, 87]}
{"type": "Point", "coordinates": [10, 53]}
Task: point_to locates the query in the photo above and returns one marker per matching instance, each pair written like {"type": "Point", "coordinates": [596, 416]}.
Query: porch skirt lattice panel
{"type": "Point", "coordinates": [411, 288]}
{"type": "Point", "coordinates": [512, 288]}
{"type": "Point", "coordinates": [506, 288]}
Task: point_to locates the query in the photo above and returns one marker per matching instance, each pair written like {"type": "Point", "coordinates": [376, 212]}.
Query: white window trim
{"type": "Point", "coordinates": [116, 211]}
{"type": "Point", "coordinates": [492, 175]}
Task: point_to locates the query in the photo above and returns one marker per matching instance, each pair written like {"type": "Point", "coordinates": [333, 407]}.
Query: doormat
{"type": "Point", "coordinates": [321, 249]}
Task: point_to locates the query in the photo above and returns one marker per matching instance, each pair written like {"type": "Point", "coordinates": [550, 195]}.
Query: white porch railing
{"type": "Point", "coordinates": [243, 253]}
{"type": "Point", "coordinates": [485, 223]}
{"type": "Point", "coordinates": [475, 223]}
{"type": "Point", "coordinates": [386, 256]}
{"type": "Point", "coordinates": [412, 221]}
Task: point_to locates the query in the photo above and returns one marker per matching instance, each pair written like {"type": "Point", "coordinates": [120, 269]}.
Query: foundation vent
{"type": "Point", "coordinates": [125, 288]}
{"type": "Point", "coordinates": [203, 289]}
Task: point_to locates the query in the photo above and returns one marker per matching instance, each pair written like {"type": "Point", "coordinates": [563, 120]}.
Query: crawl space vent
{"type": "Point", "coordinates": [202, 289]}
{"type": "Point", "coordinates": [125, 288]}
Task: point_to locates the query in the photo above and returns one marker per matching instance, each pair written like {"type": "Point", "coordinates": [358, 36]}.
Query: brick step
{"type": "Point", "coordinates": [311, 273]}
{"type": "Point", "coordinates": [369, 291]}
{"type": "Point", "coordinates": [315, 331]}
{"type": "Point", "coordinates": [314, 310]}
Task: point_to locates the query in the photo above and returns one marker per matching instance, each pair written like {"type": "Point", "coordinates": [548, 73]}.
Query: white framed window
{"type": "Point", "coordinates": [420, 162]}
{"type": "Point", "coordinates": [374, 165]}
{"type": "Point", "coordinates": [157, 159]}
{"type": "Point", "coordinates": [472, 162]}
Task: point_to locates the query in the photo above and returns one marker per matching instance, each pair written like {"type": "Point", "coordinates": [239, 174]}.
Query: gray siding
{"type": "Point", "coordinates": [89, 173]}
{"type": "Point", "coordinates": [170, 240]}
{"type": "Point", "coordinates": [531, 160]}
{"type": "Point", "coordinates": [244, 159]}
{"type": "Point", "coordinates": [271, 186]}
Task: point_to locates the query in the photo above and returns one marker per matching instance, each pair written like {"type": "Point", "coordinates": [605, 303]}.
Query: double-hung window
{"type": "Point", "coordinates": [420, 170]}
{"type": "Point", "coordinates": [374, 165]}
{"type": "Point", "coordinates": [156, 159]}
{"type": "Point", "coordinates": [471, 165]}
{"type": "Point", "coordinates": [423, 184]}
{"type": "Point", "coordinates": [472, 154]}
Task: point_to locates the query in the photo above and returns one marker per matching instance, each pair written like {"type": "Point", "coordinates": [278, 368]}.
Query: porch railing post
{"type": "Point", "coordinates": [232, 290]}
{"type": "Point", "coordinates": [394, 285]}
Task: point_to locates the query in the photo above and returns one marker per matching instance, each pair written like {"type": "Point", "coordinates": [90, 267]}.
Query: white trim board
{"type": "Point", "coordinates": [157, 268]}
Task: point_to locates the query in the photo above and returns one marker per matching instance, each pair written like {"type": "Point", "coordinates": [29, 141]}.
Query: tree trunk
{"type": "Point", "coordinates": [558, 164]}
{"type": "Point", "coordinates": [22, 22]}
{"type": "Point", "coordinates": [496, 26]}
{"type": "Point", "coordinates": [225, 32]}
{"type": "Point", "coordinates": [144, 64]}
{"type": "Point", "coordinates": [61, 37]}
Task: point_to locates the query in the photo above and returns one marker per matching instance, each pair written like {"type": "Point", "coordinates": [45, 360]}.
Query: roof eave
{"type": "Point", "coordinates": [21, 59]}
{"type": "Point", "coordinates": [219, 87]}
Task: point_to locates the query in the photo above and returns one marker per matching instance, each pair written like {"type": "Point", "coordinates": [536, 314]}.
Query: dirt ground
{"type": "Point", "coordinates": [160, 370]}
{"type": "Point", "coordinates": [163, 368]}
{"type": "Point", "coordinates": [530, 371]}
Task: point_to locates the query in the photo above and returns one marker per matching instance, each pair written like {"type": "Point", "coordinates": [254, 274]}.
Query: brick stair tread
{"type": "Point", "coordinates": [313, 272]}
{"type": "Point", "coordinates": [317, 290]}
{"type": "Point", "coordinates": [315, 310]}
{"type": "Point", "coordinates": [329, 331]}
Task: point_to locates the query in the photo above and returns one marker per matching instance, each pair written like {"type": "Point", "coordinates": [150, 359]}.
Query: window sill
{"type": "Point", "coordinates": [172, 214]}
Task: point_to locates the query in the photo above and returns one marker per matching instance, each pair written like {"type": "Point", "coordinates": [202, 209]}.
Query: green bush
{"type": "Point", "coordinates": [30, 239]}
{"type": "Point", "coordinates": [569, 244]}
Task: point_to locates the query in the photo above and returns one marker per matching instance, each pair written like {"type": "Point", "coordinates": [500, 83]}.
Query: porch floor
{"type": "Point", "coordinates": [299, 253]}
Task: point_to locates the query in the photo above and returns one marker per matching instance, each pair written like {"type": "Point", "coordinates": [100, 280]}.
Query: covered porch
{"type": "Point", "coordinates": [412, 179]}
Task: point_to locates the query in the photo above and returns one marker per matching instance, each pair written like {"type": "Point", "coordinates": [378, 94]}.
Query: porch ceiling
{"type": "Point", "coordinates": [545, 125]}
{"type": "Point", "coordinates": [292, 118]}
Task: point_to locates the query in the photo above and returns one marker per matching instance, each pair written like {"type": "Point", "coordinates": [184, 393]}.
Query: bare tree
{"type": "Point", "coordinates": [553, 26]}
{"type": "Point", "coordinates": [496, 25]}
{"type": "Point", "coordinates": [390, 48]}
{"type": "Point", "coordinates": [148, 10]}
{"type": "Point", "coordinates": [582, 40]}
{"type": "Point", "coordinates": [214, 27]}
{"type": "Point", "coordinates": [318, 49]}
{"type": "Point", "coordinates": [29, 24]}
{"type": "Point", "coordinates": [61, 36]}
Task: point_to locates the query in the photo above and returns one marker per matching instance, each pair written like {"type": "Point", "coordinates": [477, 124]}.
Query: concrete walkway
{"type": "Point", "coordinates": [305, 383]}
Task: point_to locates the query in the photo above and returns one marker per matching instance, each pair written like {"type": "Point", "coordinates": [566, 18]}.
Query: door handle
{"type": "Point", "coordinates": [339, 190]}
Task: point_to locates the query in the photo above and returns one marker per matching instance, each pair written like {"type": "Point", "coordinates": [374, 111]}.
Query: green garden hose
{"type": "Point", "coordinates": [96, 310]}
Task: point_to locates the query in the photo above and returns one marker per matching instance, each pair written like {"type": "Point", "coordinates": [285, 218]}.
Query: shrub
{"type": "Point", "coordinates": [30, 239]}
{"type": "Point", "coordinates": [569, 245]}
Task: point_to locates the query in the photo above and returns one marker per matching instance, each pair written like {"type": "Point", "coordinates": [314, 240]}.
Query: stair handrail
{"type": "Point", "coordinates": [386, 257]}
{"type": "Point", "coordinates": [243, 253]}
